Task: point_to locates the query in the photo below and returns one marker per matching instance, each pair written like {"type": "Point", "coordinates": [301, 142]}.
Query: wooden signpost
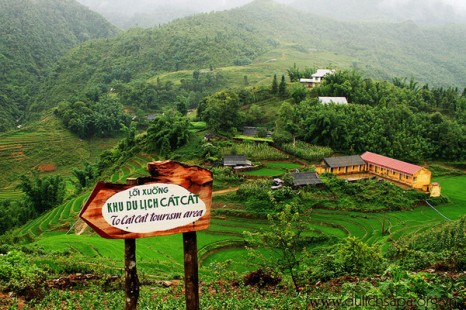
{"type": "Point", "coordinates": [176, 198]}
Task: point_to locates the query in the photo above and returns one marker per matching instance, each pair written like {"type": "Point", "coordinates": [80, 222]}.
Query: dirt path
{"type": "Point", "coordinates": [80, 227]}
{"type": "Point", "coordinates": [224, 191]}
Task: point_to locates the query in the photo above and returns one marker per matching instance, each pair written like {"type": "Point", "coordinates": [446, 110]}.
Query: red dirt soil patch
{"type": "Point", "coordinates": [46, 167]}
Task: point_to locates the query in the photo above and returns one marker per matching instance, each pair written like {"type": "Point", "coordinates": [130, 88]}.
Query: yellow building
{"type": "Point", "coordinates": [435, 189]}
{"type": "Point", "coordinates": [342, 165]}
{"type": "Point", "coordinates": [396, 170]}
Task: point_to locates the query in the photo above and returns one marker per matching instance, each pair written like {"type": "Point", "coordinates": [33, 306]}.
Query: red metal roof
{"type": "Point", "coordinates": [390, 163]}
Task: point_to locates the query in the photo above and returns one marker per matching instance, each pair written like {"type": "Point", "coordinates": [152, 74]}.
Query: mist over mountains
{"type": "Point", "coordinates": [149, 13]}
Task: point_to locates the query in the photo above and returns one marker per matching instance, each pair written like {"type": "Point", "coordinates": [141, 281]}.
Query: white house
{"type": "Point", "coordinates": [316, 77]}
{"type": "Point", "coordinates": [336, 100]}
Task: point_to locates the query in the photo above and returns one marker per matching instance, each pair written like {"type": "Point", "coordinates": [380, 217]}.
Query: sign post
{"type": "Point", "coordinates": [131, 274]}
{"type": "Point", "coordinates": [176, 198]}
{"type": "Point", "coordinates": [191, 278]}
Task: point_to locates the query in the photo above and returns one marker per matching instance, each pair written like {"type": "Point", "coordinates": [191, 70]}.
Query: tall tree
{"type": "Point", "coordinates": [282, 87]}
{"type": "Point", "coordinates": [222, 111]}
{"type": "Point", "coordinates": [274, 89]}
{"type": "Point", "coordinates": [42, 194]}
{"type": "Point", "coordinates": [168, 132]}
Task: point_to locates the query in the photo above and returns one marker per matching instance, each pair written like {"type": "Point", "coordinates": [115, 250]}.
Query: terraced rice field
{"type": "Point", "coordinates": [135, 167]}
{"type": "Point", "coordinates": [224, 240]}
{"type": "Point", "coordinates": [64, 217]}
{"type": "Point", "coordinates": [45, 144]}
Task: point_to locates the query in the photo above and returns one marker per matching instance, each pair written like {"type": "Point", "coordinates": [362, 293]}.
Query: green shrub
{"type": "Point", "coordinates": [18, 275]}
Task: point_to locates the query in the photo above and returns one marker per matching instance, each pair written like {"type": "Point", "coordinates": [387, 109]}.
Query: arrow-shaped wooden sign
{"type": "Point", "coordinates": [176, 198]}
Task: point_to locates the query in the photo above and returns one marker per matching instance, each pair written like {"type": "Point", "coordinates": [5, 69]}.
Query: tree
{"type": "Point", "coordinates": [357, 258]}
{"type": "Point", "coordinates": [284, 237]}
{"type": "Point", "coordinates": [287, 124]}
{"type": "Point", "coordinates": [274, 89]}
{"type": "Point", "coordinates": [181, 106]}
{"type": "Point", "coordinates": [86, 175]}
{"type": "Point", "coordinates": [42, 194]}
{"type": "Point", "coordinates": [168, 132]}
{"type": "Point", "coordinates": [222, 111]}
{"type": "Point", "coordinates": [298, 93]}
{"type": "Point", "coordinates": [294, 73]}
{"type": "Point", "coordinates": [282, 87]}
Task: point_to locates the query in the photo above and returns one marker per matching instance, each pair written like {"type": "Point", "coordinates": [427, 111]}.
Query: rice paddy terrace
{"type": "Point", "coordinates": [46, 147]}
{"type": "Point", "coordinates": [60, 229]}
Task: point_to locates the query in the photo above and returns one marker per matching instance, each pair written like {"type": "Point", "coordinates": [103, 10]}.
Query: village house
{"type": "Point", "coordinates": [250, 131]}
{"type": "Point", "coordinates": [305, 178]}
{"type": "Point", "coordinates": [342, 165]}
{"type": "Point", "coordinates": [396, 170]}
{"type": "Point", "coordinates": [316, 78]}
{"type": "Point", "coordinates": [236, 161]}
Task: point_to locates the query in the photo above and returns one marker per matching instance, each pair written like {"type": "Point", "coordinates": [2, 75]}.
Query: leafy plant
{"type": "Point", "coordinates": [285, 239]}
{"type": "Point", "coordinates": [18, 275]}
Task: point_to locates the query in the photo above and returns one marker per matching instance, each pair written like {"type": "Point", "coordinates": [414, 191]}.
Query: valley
{"type": "Point", "coordinates": [99, 104]}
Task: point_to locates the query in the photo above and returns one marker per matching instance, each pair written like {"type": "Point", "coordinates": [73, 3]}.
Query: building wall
{"type": "Point", "coordinates": [341, 170]}
{"type": "Point", "coordinates": [418, 180]}
{"type": "Point", "coordinates": [435, 190]}
{"type": "Point", "coordinates": [422, 179]}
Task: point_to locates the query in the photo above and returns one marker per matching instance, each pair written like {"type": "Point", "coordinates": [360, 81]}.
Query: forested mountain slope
{"type": "Point", "coordinates": [34, 34]}
{"type": "Point", "coordinates": [240, 35]}
{"type": "Point", "coordinates": [430, 12]}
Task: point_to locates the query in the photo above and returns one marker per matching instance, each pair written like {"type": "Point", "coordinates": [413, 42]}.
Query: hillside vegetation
{"type": "Point", "coordinates": [34, 35]}
{"type": "Point", "coordinates": [184, 92]}
{"type": "Point", "coordinates": [239, 36]}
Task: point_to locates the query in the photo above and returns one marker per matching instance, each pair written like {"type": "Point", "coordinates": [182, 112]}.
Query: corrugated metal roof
{"type": "Point", "coordinates": [390, 163]}
{"type": "Point", "coordinates": [305, 178]}
{"type": "Point", "coordinates": [344, 161]}
{"type": "Point", "coordinates": [236, 160]}
{"type": "Point", "coordinates": [338, 100]}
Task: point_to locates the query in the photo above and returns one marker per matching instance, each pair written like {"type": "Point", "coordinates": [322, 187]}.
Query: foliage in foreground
{"type": "Point", "coordinates": [394, 289]}
{"type": "Point", "coordinates": [443, 246]}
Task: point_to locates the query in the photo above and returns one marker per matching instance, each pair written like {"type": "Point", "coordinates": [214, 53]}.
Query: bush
{"type": "Point", "coordinates": [18, 275]}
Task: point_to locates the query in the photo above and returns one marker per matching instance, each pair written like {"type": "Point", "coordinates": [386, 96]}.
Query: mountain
{"type": "Point", "coordinates": [429, 12]}
{"type": "Point", "coordinates": [150, 13]}
{"type": "Point", "coordinates": [34, 35]}
{"type": "Point", "coordinates": [240, 36]}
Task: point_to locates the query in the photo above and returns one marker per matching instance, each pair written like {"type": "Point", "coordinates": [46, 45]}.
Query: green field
{"type": "Point", "coordinates": [162, 256]}
{"type": "Point", "coordinates": [262, 70]}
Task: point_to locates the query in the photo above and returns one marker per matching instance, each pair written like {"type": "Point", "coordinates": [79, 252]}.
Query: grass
{"type": "Point", "coordinates": [282, 165]}
{"type": "Point", "coordinates": [273, 168]}
{"type": "Point", "coordinates": [265, 172]}
{"type": "Point", "coordinates": [454, 188]}
{"type": "Point", "coordinates": [162, 257]}
{"type": "Point", "coordinates": [248, 138]}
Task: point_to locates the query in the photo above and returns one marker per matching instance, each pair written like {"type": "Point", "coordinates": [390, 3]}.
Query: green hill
{"type": "Point", "coordinates": [242, 35]}
{"type": "Point", "coordinates": [34, 34]}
